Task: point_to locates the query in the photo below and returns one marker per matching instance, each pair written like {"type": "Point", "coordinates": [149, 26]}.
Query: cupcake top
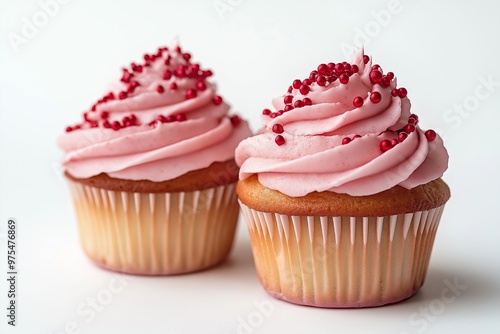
{"type": "Point", "coordinates": [160, 119]}
{"type": "Point", "coordinates": [348, 129]}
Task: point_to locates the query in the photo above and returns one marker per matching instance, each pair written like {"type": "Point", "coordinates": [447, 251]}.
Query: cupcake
{"type": "Point", "coordinates": [151, 169]}
{"type": "Point", "coordinates": [342, 190]}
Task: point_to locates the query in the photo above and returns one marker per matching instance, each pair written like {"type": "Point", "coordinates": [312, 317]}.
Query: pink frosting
{"type": "Point", "coordinates": [313, 157]}
{"type": "Point", "coordinates": [150, 148]}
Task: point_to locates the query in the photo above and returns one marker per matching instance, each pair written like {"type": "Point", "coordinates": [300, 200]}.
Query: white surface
{"type": "Point", "coordinates": [440, 52]}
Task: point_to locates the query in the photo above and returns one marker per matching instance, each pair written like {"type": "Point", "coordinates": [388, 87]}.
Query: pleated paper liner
{"type": "Point", "coordinates": [156, 233]}
{"type": "Point", "coordinates": [342, 262]}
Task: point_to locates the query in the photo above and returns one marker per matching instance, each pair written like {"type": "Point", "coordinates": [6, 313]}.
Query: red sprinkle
{"type": "Point", "coordinates": [126, 76]}
{"type": "Point", "coordinates": [307, 101]}
{"type": "Point", "coordinates": [191, 93]}
{"type": "Point", "coordinates": [304, 89]}
{"type": "Point", "coordinates": [395, 92]}
{"type": "Point", "coordinates": [321, 81]}
{"type": "Point", "coordinates": [279, 140]}
{"type": "Point", "coordinates": [385, 145]}
{"type": "Point", "coordinates": [344, 78]}
{"type": "Point", "coordinates": [217, 100]}
{"type": "Point", "coordinates": [235, 120]}
{"type": "Point", "coordinates": [266, 112]}
{"type": "Point", "coordinates": [173, 86]}
{"type": "Point", "coordinates": [278, 128]}
{"type": "Point", "coordinates": [430, 135]}
{"type": "Point", "coordinates": [366, 59]}
{"type": "Point", "coordinates": [69, 129]}
{"type": "Point", "coordinates": [180, 72]}
{"type": "Point", "coordinates": [116, 125]}
{"type": "Point", "coordinates": [358, 101]}
{"type": "Point", "coordinates": [298, 104]}
{"type": "Point", "coordinates": [296, 83]}
{"type": "Point", "coordinates": [288, 107]}
{"type": "Point", "coordinates": [375, 76]}
{"type": "Point", "coordinates": [288, 99]}
{"type": "Point", "coordinates": [200, 85]}
{"type": "Point", "coordinates": [180, 117]}
{"type": "Point", "coordinates": [167, 75]}
{"type": "Point", "coordinates": [104, 114]}
{"type": "Point", "coordinates": [402, 92]}
{"type": "Point", "coordinates": [160, 89]}
{"type": "Point", "coordinates": [402, 136]}
{"type": "Point", "coordinates": [322, 69]}
{"type": "Point", "coordinates": [137, 68]}
{"type": "Point", "coordinates": [346, 140]}
{"type": "Point", "coordinates": [206, 74]}
{"type": "Point", "coordinates": [375, 97]}
{"type": "Point", "coordinates": [385, 82]}
{"type": "Point", "coordinates": [409, 128]}
{"type": "Point", "coordinates": [339, 68]}
{"type": "Point", "coordinates": [122, 95]}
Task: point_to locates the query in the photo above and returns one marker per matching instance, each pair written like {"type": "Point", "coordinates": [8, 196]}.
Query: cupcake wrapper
{"type": "Point", "coordinates": [342, 261]}
{"type": "Point", "coordinates": [155, 233]}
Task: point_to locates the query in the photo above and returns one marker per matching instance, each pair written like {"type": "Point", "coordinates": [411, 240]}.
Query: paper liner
{"type": "Point", "coordinates": [342, 262]}
{"type": "Point", "coordinates": [156, 233]}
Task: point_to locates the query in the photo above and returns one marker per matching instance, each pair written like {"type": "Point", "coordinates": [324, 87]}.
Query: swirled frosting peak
{"type": "Point", "coordinates": [160, 119]}
{"type": "Point", "coordinates": [346, 128]}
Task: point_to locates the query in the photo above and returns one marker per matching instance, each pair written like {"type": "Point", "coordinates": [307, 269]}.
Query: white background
{"type": "Point", "coordinates": [443, 53]}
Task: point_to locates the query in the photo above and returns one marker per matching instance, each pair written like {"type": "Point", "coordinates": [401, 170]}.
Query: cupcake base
{"type": "Point", "coordinates": [342, 261]}
{"type": "Point", "coordinates": [160, 233]}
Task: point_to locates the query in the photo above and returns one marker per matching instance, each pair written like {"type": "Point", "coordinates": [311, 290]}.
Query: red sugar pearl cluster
{"type": "Point", "coordinates": [279, 139]}
{"type": "Point", "coordinates": [186, 70]}
{"type": "Point", "coordinates": [401, 92]}
{"type": "Point", "coordinates": [168, 119]}
{"type": "Point", "coordinates": [430, 135]}
{"type": "Point", "coordinates": [377, 77]}
{"type": "Point", "coordinates": [324, 75]}
{"type": "Point", "coordinates": [288, 99]}
{"type": "Point", "coordinates": [375, 97]}
{"type": "Point", "coordinates": [347, 140]}
{"type": "Point", "coordinates": [387, 144]}
{"type": "Point", "coordinates": [129, 75]}
{"type": "Point", "coordinates": [126, 121]}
